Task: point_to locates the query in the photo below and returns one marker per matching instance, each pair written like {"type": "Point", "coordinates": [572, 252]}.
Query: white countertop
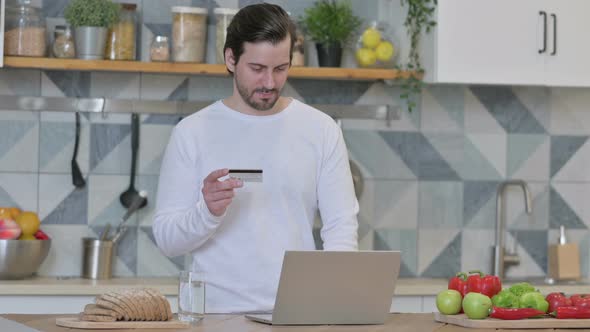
{"type": "Point", "coordinates": [169, 286]}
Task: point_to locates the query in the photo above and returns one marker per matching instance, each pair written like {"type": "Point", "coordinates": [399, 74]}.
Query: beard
{"type": "Point", "coordinates": [248, 96]}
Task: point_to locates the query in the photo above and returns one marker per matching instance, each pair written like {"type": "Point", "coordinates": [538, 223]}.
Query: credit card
{"type": "Point", "coordinates": [246, 175]}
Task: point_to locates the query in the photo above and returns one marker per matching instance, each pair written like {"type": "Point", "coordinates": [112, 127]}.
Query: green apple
{"type": "Point", "coordinates": [477, 306]}
{"type": "Point", "coordinates": [448, 302]}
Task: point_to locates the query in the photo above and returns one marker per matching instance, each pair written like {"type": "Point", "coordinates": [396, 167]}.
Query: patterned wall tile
{"type": "Point", "coordinates": [57, 139]}
{"type": "Point", "coordinates": [441, 204]}
{"type": "Point", "coordinates": [19, 147]}
{"type": "Point", "coordinates": [103, 199]}
{"type": "Point", "coordinates": [532, 249]}
{"type": "Point", "coordinates": [379, 161]}
{"type": "Point", "coordinates": [20, 82]}
{"type": "Point", "coordinates": [419, 155]}
{"type": "Point", "coordinates": [114, 85]}
{"type": "Point", "coordinates": [568, 205]}
{"type": "Point", "coordinates": [569, 111]}
{"type": "Point", "coordinates": [477, 118]}
{"type": "Point", "coordinates": [485, 157]}
{"type": "Point", "coordinates": [211, 89]}
{"type": "Point", "coordinates": [159, 87]}
{"type": "Point", "coordinates": [20, 190]}
{"type": "Point", "coordinates": [517, 216]}
{"type": "Point", "coordinates": [151, 261]}
{"type": "Point", "coordinates": [153, 141]}
{"type": "Point", "coordinates": [66, 241]}
{"type": "Point", "coordinates": [403, 240]}
{"type": "Point", "coordinates": [443, 109]}
{"type": "Point", "coordinates": [60, 202]}
{"type": "Point", "coordinates": [477, 257]}
{"type": "Point", "coordinates": [396, 205]}
{"type": "Point", "coordinates": [538, 101]}
{"type": "Point", "coordinates": [439, 252]}
{"type": "Point", "coordinates": [570, 157]}
{"type": "Point", "coordinates": [528, 157]}
{"type": "Point", "coordinates": [479, 204]}
{"type": "Point", "coordinates": [508, 110]}
{"type": "Point", "coordinates": [65, 84]}
{"type": "Point", "coordinates": [110, 148]}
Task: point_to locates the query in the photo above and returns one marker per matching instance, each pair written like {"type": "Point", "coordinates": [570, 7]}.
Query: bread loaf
{"type": "Point", "coordinates": [138, 304]}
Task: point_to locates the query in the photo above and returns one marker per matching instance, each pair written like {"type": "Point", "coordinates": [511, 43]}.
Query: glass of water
{"type": "Point", "coordinates": [191, 296]}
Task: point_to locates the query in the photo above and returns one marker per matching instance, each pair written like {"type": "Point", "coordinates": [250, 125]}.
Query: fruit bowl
{"type": "Point", "coordinates": [21, 259]}
{"type": "Point", "coordinates": [375, 48]}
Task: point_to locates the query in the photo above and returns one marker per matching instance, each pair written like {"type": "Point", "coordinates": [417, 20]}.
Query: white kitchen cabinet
{"type": "Point", "coordinates": [508, 42]}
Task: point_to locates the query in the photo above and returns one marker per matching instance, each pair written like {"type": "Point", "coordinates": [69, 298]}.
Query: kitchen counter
{"type": "Point", "coordinates": [231, 323]}
{"type": "Point", "coordinates": [169, 286]}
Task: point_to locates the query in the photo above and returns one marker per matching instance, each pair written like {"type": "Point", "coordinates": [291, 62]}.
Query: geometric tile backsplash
{"type": "Point", "coordinates": [430, 177]}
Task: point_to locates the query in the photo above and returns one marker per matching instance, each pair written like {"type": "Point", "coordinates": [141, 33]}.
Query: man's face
{"type": "Point", "coordinates": [262, 72]}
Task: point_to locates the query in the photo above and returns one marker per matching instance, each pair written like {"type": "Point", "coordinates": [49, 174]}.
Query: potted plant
{"type": "Point", "coordinates": [91, 20]}
{"type": "Point", "coordinates": [330, 24]}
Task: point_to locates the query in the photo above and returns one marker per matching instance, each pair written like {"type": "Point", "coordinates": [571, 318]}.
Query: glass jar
{"type": "Point", "coordinates": [160, 49]}
{"type": "Point", "coordinates": [223, 17]}
{"type": "Point", "coordinates": [189, 34]}
{"type": "Point", "coordinates": [121, 36]}
{"type": "Point", "coordinates": [63, 42]}
{"type": "Point", "coordinates": [24, 30]}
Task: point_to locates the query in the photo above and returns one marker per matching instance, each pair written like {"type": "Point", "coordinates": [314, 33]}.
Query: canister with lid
{"type": "Point", "coordinates": [223, 18]}
{"type": "Point", "coordinates": [24, 30]}
{"type": "Point", "coordinates": [189, 34]}
{"type": "Point", "coordinates": [121, 36]}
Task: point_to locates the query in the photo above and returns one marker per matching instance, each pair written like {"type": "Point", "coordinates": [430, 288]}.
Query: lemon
{"type": "Point", "coordinates": [366, 57]}
{"type": "Point", "coordinates": [384, 51]}
{"type": "Point", "coordinates": [28, 222]}
{"type": "Point", "coordinates": [371, 38]}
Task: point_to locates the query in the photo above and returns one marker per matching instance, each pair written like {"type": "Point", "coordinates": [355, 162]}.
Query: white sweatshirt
{"type": "Point", "coordinates": [305, 168]}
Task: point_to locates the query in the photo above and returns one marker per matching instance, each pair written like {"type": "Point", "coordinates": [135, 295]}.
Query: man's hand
{"type": "Point", "coordinates": [219, 194]}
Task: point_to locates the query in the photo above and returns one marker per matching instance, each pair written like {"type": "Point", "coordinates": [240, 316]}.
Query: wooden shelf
{"type": "Point", "coordinates": [195, 69]}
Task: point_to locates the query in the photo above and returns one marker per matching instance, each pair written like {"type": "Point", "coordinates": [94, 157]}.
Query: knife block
{"type": "Point", "coordinates": [564, 261]}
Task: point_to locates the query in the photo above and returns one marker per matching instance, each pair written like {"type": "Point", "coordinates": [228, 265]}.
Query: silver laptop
{"type": "Point", "coordinates": [334, 287]}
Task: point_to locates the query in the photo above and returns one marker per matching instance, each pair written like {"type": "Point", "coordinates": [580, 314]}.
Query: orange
{"type": "Point", "coordinates": [27, 237]}
{"type": "Point", "coordinates": [5, 213]}
{"type": "Point", "coordinates": [28, 222]}
{"type": "Point", "coordinates": [15, 211]}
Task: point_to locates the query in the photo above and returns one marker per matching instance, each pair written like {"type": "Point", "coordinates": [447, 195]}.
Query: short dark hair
{"type": "Point", "coordinates": [261, 22]}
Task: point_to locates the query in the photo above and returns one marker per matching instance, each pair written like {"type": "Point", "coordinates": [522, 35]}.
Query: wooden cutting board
{"type": "Point", "coordinates": [493, 323]}
{"type": "Point", "coordinates": [75, 322]}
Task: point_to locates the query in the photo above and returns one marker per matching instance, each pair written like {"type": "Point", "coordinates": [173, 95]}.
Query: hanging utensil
{"type": "Point", "coordinates": [138, 201]}
{"type": "Point", "coordinates": [77, 178]}
{"type": "Point", "coordinates": [131, 193]}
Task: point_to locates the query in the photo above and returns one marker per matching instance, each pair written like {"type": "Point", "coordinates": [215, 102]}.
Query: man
{"type": "Point", "coordinates": [238, 232]}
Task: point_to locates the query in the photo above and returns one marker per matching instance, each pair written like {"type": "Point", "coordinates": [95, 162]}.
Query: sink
{"type": "Point", "coordinates": [541, 281]}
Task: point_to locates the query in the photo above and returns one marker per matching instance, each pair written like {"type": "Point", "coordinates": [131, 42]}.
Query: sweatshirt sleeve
{"type": "Point", "coordinates": [336, 197]}
{"type": "Point", "coordinates": [182, 221]}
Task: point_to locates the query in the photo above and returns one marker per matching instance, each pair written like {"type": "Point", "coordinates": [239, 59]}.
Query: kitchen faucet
{"type": "Point", "coordinates": [502, 259]}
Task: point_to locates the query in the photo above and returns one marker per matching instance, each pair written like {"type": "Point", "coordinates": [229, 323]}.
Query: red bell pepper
{"type": "Point", "coordinates": [580, 300]}
{"type": "Point", "coordinates": [515, 313]}
{"type": "Point", "coordinates": [572, 312]}
{"type": "Point", "coordinates": [557, 300]}
{"type": "Point", "coordinates": [478, 282]}
{"type": "Point", "coordinates": [458, 283]}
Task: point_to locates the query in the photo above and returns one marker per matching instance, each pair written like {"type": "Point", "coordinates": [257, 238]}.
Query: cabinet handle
{"type": "Point", "coordinates": [544, 14]}
{"type": "Point", "coordinates": [554, 17]}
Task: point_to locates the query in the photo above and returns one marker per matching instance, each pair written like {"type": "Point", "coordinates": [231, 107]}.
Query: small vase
{"type": "Point", "coordinates": [329, 55]}
{"type": "Point", "coordinates": [90, 42]}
